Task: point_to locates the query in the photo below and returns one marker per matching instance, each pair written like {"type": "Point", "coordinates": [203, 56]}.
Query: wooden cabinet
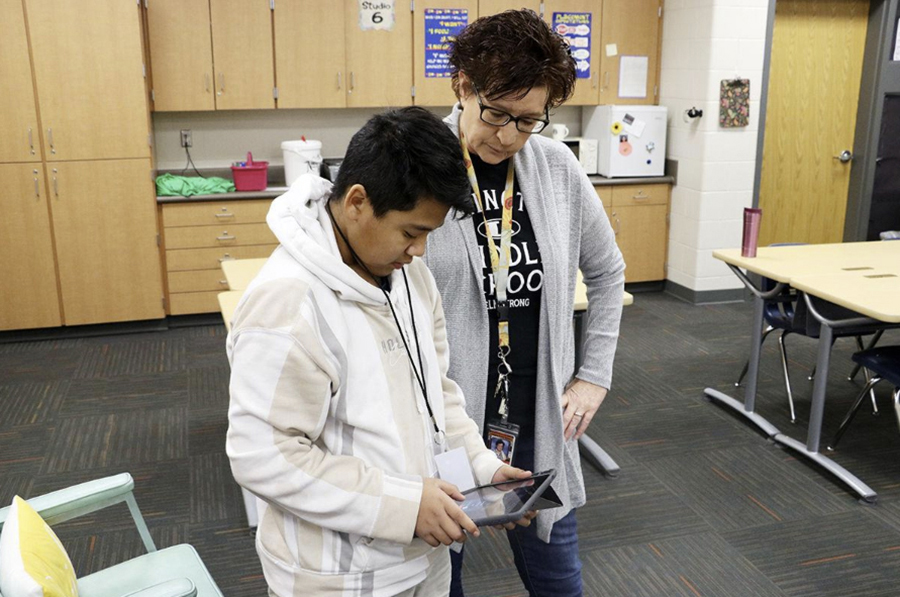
{"type": "Point", "coordinates": [28, 293]}
{"type": "Point", "coordinates": [242, 54]}
{"type": "Point", "coordinates": [78, 227]}
{"type": "Point", "coordinates": [435, 90]}
{"type": "Point", "coordinates": [639, 217]}
{"type": "Point", "coordinates": [19, 130]}
{"type": "Point", "coordinates": [106, 239]}
{"type": "Point", "coordinates": [310, 59]}
{"type": "Point", "coordinates": [89, 73]}
{"type": "Point", "coordinates": [379, 61]}
{"type": "Point", "coordinates": [181, 51]}
{"type": "Point", "coordinates": [189, 37]}
{"type": "Point", "coordinates": [578, 13]}
{"type": "Point", "coordinates": [199, 236]}
{"type": "Point", "coordinates": [326, 58]}
{"type": "Point", "coordinates": [633, 28]}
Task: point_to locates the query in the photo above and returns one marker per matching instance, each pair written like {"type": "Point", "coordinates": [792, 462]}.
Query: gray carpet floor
{"type": "Point", "coordinates": [703, 506]}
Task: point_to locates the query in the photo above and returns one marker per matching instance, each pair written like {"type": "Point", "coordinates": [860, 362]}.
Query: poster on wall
{"type": "Point", "coordinates": [376, 15]}
{"type": "Point", "coordinates": [441, 26]}
{"type": "Point", "coordinates": [576, 28]}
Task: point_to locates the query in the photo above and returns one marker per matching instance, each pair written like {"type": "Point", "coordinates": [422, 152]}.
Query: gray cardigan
{"type": "Point", "coordinates": [573, 232]}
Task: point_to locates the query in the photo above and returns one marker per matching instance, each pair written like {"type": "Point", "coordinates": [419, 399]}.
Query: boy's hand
{"type": "Point", "coordinates": [511, 473]}
{"type": "Point", "coordinates": [440, 519]}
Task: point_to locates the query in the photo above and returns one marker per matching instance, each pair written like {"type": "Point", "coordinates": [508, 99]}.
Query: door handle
{"type": "Point", "coordinates": [37, 188]}
{"type": "Point", "coordinates": [50, 140]}
{"type": "Point", "coordinates": [55, 183]}
{"type": "Point", "coordinates": [31, 140]}
{"type": "Point", "coordinates": [845, 156]}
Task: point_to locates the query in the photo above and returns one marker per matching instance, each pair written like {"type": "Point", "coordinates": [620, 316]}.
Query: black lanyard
{"type": "Point", "coordinates": [420, 371]}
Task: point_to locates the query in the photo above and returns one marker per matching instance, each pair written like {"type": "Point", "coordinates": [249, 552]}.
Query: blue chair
{"type": "Point", "coordinates": [784, 313]}
{"type": "Point", "coordinates": [884, 363]}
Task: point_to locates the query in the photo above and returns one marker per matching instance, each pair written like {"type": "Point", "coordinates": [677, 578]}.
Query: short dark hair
{"type": "Point", "coordinates": [402, 156]}
{"type": "Point", "coordinates": [506, 55]}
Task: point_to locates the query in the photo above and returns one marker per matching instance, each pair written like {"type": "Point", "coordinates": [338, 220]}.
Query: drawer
{"type": "Point", "coordinates": [211, 213]}
{"type": "Point", "coordinates": [185, 303]}
{"type": "Point", "coordinates": [197, 281]}
{"type": "Point", "coordinates": [190, 259]}
{"type": "Point", "coordinates": [223, 235]}
{"type": "Point", "coordinates": [605, 194]}
{"type": "Point", "coordinates": [649, 194]}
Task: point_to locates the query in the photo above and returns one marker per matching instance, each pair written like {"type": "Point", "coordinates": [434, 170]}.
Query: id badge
{"type": "Point", "coordinates": [501, 439]}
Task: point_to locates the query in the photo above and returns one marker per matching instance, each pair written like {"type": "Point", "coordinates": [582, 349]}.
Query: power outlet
{"type": "Point", "coordinates": [186, 138]}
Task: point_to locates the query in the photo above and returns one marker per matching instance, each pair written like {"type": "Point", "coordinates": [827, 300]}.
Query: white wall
{"type": "Point", "coordinates": [220, 138]}
{"type": "Point", "coordinates": [705, 41]}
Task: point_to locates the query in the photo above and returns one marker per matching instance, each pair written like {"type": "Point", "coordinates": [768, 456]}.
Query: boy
{"type": "Point", "coordinates": [340, 403]}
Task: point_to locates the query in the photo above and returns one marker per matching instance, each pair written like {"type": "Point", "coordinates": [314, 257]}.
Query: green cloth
{"type": "Point", "coordinates": [170, 185]}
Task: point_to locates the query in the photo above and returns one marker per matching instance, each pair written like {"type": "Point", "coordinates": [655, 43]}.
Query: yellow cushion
{"type": "Point", "coordinates": [33, 563]}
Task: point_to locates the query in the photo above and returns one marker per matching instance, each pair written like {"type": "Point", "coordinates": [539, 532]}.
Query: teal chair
{"type": "Point", "coordinates": [175, 571]}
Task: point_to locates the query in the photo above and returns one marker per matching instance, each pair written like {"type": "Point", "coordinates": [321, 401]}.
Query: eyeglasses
{"type": "Point", "coordinates": [496, 117]}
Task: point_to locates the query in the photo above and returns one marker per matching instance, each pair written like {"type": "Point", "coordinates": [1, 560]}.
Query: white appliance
{"type": "Point", "coordinates": [632, 139]}
{"type": "Point", "coordinates": [586, 152]}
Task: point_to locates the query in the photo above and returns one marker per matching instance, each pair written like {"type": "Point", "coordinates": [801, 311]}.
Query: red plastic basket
{"type": "Point", "coordinates": [254, 176]}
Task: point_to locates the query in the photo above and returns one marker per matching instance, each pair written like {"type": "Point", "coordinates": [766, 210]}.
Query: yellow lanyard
{"type": "Point", "coordinates": [499, 265]}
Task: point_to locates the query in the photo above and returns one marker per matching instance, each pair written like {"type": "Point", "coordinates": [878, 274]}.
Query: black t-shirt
{"type": "Point", "coordinates": [523, 293]}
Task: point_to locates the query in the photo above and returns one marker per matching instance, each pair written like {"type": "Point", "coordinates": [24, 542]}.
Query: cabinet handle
{"type": "Point", "coordinates": [339, 82]}
{"type": "Point", "coordinates": [226, 257]}
{"type": "Point", "coordinates": [618, 227]}
{"type": "Point", "coordinates": [31, 140]}
{"type": "Point", "coordinates": [221, 83]}
{"type": "Point", "coordinates": [225, 215]}
{"type": "Point", "coordinates": [55, 183]}
{"type": "Point", "coordinates": [606, 80]}
{"type": "Point", "coordinates": [223, 282]}
{"type": "Point", "coordinates": [352, 81]}
{"type": "Point", "coordinates": [594, 80]}
{"type": "Point", "coordinates": [226, 236]}
{"type": "Point", "coordinates": [50, 140]}
{"type": "Point", "coordinates": [37, 188]}
{"type": "Point", "coordinates": [206, 81]}
{"type": "Point", "coordinates": [640, 196]}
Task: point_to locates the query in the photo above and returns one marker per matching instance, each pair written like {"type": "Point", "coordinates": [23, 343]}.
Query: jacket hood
{"type": "Point", "coordinates": [301, 223]}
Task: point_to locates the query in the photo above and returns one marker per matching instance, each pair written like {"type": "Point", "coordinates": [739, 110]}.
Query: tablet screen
{"type": "Point", "coordinates": [489, 504]}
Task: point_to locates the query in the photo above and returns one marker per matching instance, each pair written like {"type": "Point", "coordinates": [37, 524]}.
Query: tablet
{"type": "Point", "coordinates": [508, 501]}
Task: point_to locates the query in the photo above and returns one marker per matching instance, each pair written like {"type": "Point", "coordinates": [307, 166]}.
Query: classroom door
{"type": "Point", "coordinates": [816, 65]}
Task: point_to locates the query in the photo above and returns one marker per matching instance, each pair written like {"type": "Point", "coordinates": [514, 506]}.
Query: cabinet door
{"type": "Point", "coordinates": [492, 7]}
{"type": "Point", "coordinates": [89, 69]}
{"type": "Point", "coordinates": [379, 60]}
{"type": "Point", "coordinates": [28, 294]}
{"type": "Point", "coordinates": [633, 26]}
{"type": "Point", "coordinates": [580, 22]}
{"type": "Point", "coordinates": [19, 132]}
{"type": "Point", "coordinates": [310, 58]}
{"type": "Point", "coordinates": [642, 236]}
{"type": "Point", "coordinates": [104, 222]}
{"type": "Point", "coordinates": [242, 54]}
{"type": "Point", "coordinates": [181, 51]}
{"type": "Point", "coordinates": [435, 21]}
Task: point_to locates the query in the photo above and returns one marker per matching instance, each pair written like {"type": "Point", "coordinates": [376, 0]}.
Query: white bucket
{"type": "Point", "coordinates": [300, 157]}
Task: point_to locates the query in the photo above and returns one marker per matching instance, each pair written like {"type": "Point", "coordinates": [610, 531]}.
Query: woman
{"type": "Point", "coordinates": [508, 275]}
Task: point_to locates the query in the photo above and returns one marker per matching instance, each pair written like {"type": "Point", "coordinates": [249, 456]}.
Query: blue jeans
{"type": "Point", "coordinates": [546, 569]}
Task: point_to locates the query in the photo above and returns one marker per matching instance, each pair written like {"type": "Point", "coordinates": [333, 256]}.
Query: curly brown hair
{"type": "Point", "coordinates": [507, 54]}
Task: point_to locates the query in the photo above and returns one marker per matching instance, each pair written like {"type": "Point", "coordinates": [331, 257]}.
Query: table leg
{"type": "Point", "coordinates": [817, 410]}
{"type": "Point", "coordinates": [598, 456]}
{"type": "Point", "coordinates": [745, 409]}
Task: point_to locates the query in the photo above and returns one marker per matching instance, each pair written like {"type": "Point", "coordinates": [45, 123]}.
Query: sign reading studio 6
{"type": "Point", "coordinates": [376, 14]}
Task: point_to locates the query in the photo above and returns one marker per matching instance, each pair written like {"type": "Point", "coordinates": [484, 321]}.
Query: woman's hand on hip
{"type": "Point", "coordinates": [580, 402]}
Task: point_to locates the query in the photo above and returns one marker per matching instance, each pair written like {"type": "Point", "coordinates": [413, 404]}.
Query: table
{"type": "Point", "coordinates": [848, 274]}
{"type": "Point", "coordinates": [240, 272]}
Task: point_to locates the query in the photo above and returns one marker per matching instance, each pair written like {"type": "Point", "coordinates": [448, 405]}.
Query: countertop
{"type": "Point", "coordinates": [277, 173]}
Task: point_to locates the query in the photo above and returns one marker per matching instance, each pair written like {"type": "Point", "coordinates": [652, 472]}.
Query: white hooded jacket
{"type": "Point", "coordinates": [327, 425]}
